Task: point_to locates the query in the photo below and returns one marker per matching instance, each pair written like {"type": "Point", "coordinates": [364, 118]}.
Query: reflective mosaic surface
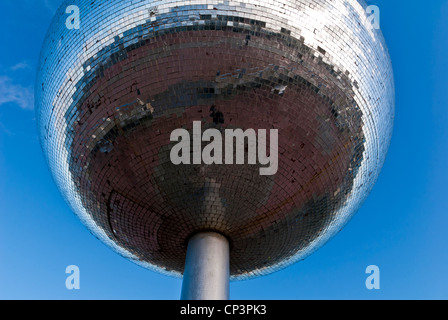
{"type": "Point", "coordinates": [109, 95]}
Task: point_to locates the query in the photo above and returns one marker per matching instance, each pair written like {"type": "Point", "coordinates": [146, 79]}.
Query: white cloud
{"type": "Point", "coordinates": [19, 66]}
{"type": "Point", "coordinates": [16, 93]}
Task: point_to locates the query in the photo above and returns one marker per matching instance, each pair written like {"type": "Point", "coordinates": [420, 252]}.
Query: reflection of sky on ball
{"type": "Point", "coordinates": [110, 94]}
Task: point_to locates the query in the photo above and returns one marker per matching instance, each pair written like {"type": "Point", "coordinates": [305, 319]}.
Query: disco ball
{"type": "Point", "coordinates": [110, 94]}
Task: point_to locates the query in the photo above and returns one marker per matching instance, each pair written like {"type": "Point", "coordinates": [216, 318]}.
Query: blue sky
{"type": "Point", "coordinates": [401, 228]}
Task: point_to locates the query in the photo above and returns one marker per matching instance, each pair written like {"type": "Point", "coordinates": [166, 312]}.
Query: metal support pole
{"type": "Point", "coordinates": [206, 273]}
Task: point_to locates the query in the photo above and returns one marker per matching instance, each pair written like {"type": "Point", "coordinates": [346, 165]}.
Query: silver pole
{"type": "Point", "coordinates": [206, 273]}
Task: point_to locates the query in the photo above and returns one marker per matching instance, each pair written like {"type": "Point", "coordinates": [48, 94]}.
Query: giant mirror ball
{"type": "Point", "coordinates": [109, 95]}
